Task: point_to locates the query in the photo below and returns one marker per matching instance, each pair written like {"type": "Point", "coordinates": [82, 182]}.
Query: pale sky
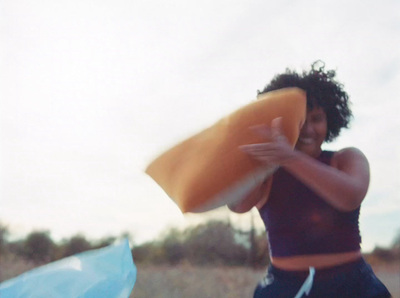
{"type": "Point", "coordinates": [92, 91]}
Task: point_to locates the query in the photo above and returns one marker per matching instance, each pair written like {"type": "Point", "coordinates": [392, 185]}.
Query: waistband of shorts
{"type": "Point", "coordinates": [322, 273]}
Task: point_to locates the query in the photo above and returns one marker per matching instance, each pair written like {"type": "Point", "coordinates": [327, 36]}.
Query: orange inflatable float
{"type": "Point", "coordinates": [208, 170]}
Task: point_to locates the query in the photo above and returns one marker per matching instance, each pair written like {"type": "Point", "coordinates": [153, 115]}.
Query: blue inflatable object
{"type": "Point", "coordinates": [106, 272]}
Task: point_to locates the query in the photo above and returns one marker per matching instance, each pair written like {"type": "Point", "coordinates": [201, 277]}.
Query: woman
{"type": "Point", "coordinates": [311, 205]}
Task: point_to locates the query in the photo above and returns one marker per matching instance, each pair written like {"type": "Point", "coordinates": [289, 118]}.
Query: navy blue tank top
{"type": "Point", "coordinates": [299, 222]}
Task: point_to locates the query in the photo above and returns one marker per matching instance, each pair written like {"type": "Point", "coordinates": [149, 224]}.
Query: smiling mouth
{"type": "Point", "coordinates": [306, 141]}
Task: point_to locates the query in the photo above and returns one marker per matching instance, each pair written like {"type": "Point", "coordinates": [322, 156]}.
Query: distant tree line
{"type": "Point", "coordinates": [210, 243]}
{"type": "Point", "coordinates": [386, 254]}
{"type": "Point", "coordinates": [39, 247]}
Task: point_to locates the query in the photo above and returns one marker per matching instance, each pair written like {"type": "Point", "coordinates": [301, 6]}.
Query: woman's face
{"type": "Point", "coordinates": [313, 132]}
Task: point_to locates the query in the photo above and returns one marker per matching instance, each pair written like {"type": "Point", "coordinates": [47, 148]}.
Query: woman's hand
{"type": "Point", "coordinates": [277, 151]}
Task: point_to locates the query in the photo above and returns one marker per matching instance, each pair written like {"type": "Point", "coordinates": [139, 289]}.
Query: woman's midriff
{"type": "Point", "coordinates": [304, 262]}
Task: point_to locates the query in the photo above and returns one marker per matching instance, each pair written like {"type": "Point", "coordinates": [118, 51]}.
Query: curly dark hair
{"type": "Point", "coordinates": [322, 91]}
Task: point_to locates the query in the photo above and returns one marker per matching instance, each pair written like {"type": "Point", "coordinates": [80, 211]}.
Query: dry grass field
{"type": "Point", "coordinates": [205, 282]}
{"type": "Point", "coordinates": [12, 266]}
{"type": "Point", "coordinates": [200, 282]}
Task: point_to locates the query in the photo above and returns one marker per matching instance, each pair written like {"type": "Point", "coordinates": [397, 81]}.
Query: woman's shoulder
{"type": "Point", "coordinates": [348, 155]}
{"type": "Point", "coordinates": [348, 152]}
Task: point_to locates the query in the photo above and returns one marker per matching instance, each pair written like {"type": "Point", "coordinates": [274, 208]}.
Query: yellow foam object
{"type": "Point", "coordinates": [208, 170]}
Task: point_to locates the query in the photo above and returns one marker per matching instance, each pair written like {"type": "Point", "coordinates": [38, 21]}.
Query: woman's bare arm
{"type": "Point", "coordinates": [257, 198]}
{"type": "Point", "coordinates": [343, 184]}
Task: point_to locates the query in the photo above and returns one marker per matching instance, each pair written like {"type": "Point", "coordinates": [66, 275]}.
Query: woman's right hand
{"type": "Point", "coordinates": [276, 151]}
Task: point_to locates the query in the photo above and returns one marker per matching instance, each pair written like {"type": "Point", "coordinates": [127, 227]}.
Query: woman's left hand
{"type": "Point", "coordinates": [277, 151]}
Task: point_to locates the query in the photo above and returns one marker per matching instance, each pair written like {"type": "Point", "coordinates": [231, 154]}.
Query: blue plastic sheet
{"type": "Point", "coordinates": [105, 272]}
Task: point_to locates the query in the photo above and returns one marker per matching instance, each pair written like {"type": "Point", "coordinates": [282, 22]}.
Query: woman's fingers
{"type": "Point", "coordinates": [276, 150]}
{"type": "Point", "coordinates": [277, 129]}
{"type": "Point", "coordinates": [262, 130]}
{"type": "Point", "coordinates": [274, 131]}
{"type": "Point", "coordinates": [260, 152]}
{"type": "Point", "coordinates": [260, 147]}
{"type": "Point", "coordinates": [263, 151]}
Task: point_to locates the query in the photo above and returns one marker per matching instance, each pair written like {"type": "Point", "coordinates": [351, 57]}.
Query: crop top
{"type": "Point", "coordinates": [299, 222]}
